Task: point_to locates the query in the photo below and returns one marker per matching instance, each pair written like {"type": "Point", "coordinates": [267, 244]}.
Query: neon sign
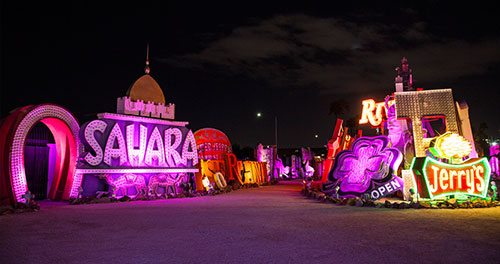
{"type": "Point", "coordinates": [14, 133]}
{"type": "Point", "coordinates": [373, 112]}
{"type": "Point", "coordinates": [117, 141]}
{"type": "Point", "coordinates": [212, 144]}
{"type": "Point", "coordinates": [436, 179]}
{"type": "Point", "coordinates": [450, 146]}
{"type": "Point", "coordinates": [416, 105]}
{"type": "Point", "coordinates": [387, 188]}
{"type": "Point", "coordinates": [368, 168]}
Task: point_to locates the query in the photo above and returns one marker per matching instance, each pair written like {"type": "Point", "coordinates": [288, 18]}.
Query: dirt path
{"type": "Point", "coordinates": [273, 224]}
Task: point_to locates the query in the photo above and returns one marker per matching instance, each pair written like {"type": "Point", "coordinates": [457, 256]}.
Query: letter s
{"type": "Point", "coordinates": [479, 171]}
{"type": "Point", "coordinates": [96, 125]}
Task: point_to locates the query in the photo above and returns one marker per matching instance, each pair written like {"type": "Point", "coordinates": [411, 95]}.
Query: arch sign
{"type": "Point", "coordinates": [14, 131]}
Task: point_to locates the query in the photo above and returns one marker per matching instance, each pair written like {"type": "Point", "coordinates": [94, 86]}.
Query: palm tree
{"type": "Point", "coordinates": [338, 107]}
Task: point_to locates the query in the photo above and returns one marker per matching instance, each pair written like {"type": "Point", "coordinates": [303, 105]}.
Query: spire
{"type": "Point", "coordinates": [147, 69]}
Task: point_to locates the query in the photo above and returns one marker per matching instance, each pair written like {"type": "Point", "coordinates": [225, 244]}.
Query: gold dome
{"type": "Point", "coordinates": [146, 89]}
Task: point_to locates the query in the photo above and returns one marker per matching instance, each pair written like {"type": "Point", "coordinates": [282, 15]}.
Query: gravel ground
{"type": "Point", "coordinates": [270, 224]}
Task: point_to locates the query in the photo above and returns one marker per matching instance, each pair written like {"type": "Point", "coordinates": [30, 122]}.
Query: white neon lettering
{"type": "Point", "coordinates": [443, 176]}
{"type": "Point", "coordinates": [434, 185]}
{"type": "Point", "coordinates": [90, 129]}
{"type": "Point", "coordinates": [479, 175]}
{"type": "Point", "coordinates": [452, 173]}
{"type": "Point", "coordinates": [388, 187]}
{"type": "Point", "coordinates": [136, 156]}
{"type": "Point", "coordinates": [152, 153]}
{"type": "Point", "coordinates": [110, 151]}
{"type": "Point", "coordinates": [172, 157]}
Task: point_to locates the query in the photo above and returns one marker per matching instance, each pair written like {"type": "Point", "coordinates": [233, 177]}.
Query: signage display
{"type": "Point", "coordinates": [117, 141]}
{"type": "Point", "coordinates": [374, 113]}
{"type": "Point", "coordinates": [368, 168]}
{"type": "Point", "coordinates": [435, 179]}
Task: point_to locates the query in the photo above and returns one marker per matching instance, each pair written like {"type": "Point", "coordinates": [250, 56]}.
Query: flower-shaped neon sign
{"type": "Point", "coordinates": [369, 163]}
{"type": "Point", "coordinates": [450, 146]}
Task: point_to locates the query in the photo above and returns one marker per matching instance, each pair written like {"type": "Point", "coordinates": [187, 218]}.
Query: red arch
{"type": "Point", "coordinates": [13, 132]}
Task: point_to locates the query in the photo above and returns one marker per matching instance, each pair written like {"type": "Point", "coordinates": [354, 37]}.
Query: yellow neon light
{"type": "Point", "coordinates": [451, 146]}
{"type": "Point", "coordinates": [373, 112]}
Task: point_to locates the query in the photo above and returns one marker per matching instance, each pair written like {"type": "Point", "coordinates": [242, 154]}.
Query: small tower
{"type": "Point", "coordinates": [404, 78]}
{"type": "Point", "coordinates": [145, 98]}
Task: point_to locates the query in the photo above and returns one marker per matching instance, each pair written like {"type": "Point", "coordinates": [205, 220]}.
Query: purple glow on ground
{"type": "Point", "coordinates": [271, 224]}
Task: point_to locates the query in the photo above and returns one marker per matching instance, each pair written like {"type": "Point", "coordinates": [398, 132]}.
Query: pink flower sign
{"type": "Point", "coordinates": [369, 164]}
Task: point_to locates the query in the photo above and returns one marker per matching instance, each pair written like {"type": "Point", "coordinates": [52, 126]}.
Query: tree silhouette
{"type": "Point", "coordinates": [245, 153]}
{"type": "Point", "coordinates": [338, 107]}
{"type": "Point", "coordinates": [481, 139]}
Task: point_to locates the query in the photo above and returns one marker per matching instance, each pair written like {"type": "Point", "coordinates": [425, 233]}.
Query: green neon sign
{"type": "Point", "coordinates": [435, 179]}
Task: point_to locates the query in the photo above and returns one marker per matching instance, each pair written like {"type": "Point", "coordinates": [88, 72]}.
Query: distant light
{"type": "Point", "coordinates": [494, 143]}
{"type": "Point", "coordinates": [316, 136]}
{"type": "Point", "coordinates": [259, 114]}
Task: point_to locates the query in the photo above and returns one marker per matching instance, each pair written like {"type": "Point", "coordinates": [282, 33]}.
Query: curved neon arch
{"type": "Point", "coordinates": [64, 127]}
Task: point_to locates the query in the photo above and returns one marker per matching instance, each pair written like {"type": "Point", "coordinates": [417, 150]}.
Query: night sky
{"type": "Point", "coordinates": [222, 63]}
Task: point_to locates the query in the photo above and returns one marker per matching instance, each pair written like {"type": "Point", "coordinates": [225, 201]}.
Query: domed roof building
{"type": "Point", "coordinates": [147, 90]}
{"type": "Point", "coordinates": [145, 98]}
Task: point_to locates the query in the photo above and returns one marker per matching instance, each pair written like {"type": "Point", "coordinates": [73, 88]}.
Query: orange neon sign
{"type": "Point", "coordinates": [374, 113]}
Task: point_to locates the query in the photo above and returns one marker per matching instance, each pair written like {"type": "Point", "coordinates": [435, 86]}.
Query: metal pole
{"type": "Point", "coordinates": [276, 132]}
{"type": "Point", "coordinates": [276, 142]}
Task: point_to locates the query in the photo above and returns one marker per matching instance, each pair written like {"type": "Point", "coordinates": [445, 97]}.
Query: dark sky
{"type": "Point", "coordinates": [222, 63]}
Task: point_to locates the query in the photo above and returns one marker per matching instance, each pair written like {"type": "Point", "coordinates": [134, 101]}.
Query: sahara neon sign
{"type": "Point", "coordinates": [436, 179]}
{"type": "Point", "coordinates": [374, 113]}
{"type": "Point", "coordinates": [115, 142]}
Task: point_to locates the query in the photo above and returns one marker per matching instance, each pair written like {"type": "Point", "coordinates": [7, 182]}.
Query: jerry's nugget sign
{"type": "Point", "coordinates": [436, 179]}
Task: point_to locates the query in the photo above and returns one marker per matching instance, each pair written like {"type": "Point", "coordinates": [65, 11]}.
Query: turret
{"type": "Point", "coordinates": [404, 77]}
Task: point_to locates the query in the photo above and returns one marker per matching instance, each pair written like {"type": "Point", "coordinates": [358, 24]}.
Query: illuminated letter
{"type": "Point", "coordinates": [375, 194]}
{"type": "Point", "coordinates": [111, 152]}
{"type": "Point", "coordinates": [460, 174]}
{"type": "Point", "coordinates": [433, 187]}
{"type": "Point", "coordinates": [377, 118]}
{"type": "Point", "coordinates": [470, 180]}
{"type": "Point", "coordinates": [479, 171]}
{"type": "Point", "coordinates": [90, 129]}
{"type": "Point", "coordinates": [151, 153]}
{"type": "Point", "coordinates": [187, 154]}
{"type": "Point", "coordinates": [136, 156]}
{"type": "Point", "coordinates": [172, 157]}
{"type": "Point", "coordinates": [452, 173]}
{"type": "Point", "coordinates": [382, 190]}
{"type": "Point", "coordinates": [443, 176]}
{"type": "Point", "coordinates": [368, 107]}
{"type": "Point", "coordinates": [388, 187]}
{"type": "Point", "coordinates": [395, 184]}
{"type": "Point", "coordinates": [231, 166]}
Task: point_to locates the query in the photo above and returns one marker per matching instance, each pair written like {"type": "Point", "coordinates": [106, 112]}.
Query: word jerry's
{"type": "Point", "coordinates": [437, 179]}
